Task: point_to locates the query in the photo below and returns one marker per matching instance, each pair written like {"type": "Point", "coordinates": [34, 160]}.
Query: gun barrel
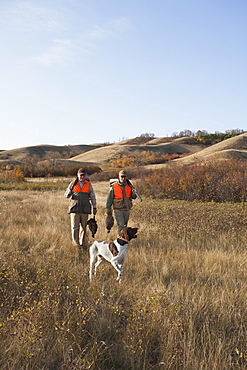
{"type": "Point", "coordinates": [138, 196]}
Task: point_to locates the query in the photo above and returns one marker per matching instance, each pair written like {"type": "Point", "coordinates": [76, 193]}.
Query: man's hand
{"type": "Point", "coordinates": [94, 211]}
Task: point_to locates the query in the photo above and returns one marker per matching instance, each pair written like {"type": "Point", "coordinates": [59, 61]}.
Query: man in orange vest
{"type": "Point", "coordinates": [120, 197]}
{"type": "Point", "coordinates": [82, 200]}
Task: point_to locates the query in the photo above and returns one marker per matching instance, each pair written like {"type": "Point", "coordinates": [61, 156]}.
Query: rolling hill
{"type": "Point", "coordinates": [101, 154]}
{"type": "Point", "coordinates": [43, 152]}
{"type": "Point", "coordinates": [233, 148]}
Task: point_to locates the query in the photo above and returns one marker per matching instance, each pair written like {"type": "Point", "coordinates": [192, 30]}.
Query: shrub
{"type": "Point", "coordinates": [12, 175]}
{"type": "Point", "coordinates": [19, 172]}
{"type": "Point", "coordinates": [216, 181]}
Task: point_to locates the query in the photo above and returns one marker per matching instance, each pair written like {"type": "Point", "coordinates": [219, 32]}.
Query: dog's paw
{"type": "Point", "coordinates": [119, 278]}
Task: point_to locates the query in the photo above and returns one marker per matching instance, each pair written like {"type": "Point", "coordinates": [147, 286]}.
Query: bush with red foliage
{"type": "Point", "coordinates": [222, 181]}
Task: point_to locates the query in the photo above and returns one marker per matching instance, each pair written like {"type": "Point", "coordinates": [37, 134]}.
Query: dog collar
{"type": "Point", "coordinates": [121, 238]}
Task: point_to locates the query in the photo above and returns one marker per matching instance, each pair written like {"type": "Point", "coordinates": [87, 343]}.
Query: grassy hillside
{"type": "Point", "coordinates": [132, 152]}
{"type": "Point", "coordinates": [235, 147]}
{"type": "Point", "coordinates": [103, 155]}
{"type": "Point", "coordinates": [39, 152]}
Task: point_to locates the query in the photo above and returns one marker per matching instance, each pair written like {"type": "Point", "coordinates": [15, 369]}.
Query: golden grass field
{"type": "Point", "coordinates": [181, 305]}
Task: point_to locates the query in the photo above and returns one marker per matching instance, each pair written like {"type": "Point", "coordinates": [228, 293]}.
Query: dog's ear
{"type": "Point", "coordinates": [132, 232]}
{"type": "Point", "coordinates": [135, 229]}
{"type": "Point", "coordinates": [124, 234]}
{"type": "Point", "coordinates": [113, 249]}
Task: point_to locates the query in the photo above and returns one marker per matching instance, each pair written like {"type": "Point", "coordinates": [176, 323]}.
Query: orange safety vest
{"type": "Point", "coordinates": [84, 189]}
{"type": "Point", "coordinates": [118, 191]}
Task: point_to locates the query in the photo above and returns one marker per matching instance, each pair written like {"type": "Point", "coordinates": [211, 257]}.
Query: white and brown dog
{"type": "Point", "coordinates": [114, 252]}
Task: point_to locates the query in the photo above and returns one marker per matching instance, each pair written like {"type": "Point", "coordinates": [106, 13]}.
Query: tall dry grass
{"type": "Point", "coordinates": [182, 303]}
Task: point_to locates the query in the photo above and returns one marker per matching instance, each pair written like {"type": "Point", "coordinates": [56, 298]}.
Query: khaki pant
{"type": "Point", "coordinates": [78, 228]}
{"type": "Point", "coordinates": [122, 218]}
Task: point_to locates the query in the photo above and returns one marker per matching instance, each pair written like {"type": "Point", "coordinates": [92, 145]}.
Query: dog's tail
{"type": "Point", "coordinates": [92, 247]}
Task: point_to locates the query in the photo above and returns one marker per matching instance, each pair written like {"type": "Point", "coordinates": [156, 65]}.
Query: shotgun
{"type": "Point", "coordinates": [138, 196]}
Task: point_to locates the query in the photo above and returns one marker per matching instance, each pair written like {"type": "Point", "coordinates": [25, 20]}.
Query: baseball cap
{"type": "Point", "coordinates": [122, 173]}
{"type": "Point", "coordinates": [82, 171]}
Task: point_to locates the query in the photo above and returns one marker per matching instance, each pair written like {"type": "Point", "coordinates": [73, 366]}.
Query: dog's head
{"type": "Point", "coordinates": [93, 227]}
{"type": "Point", "coordinates": [128, 233]}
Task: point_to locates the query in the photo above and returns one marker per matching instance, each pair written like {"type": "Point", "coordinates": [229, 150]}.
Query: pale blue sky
{"type": "Point", "coordinates": [91, 71]}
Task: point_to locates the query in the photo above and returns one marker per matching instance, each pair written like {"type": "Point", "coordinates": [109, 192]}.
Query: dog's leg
{"type": "Point", "coordinates": [118, 268]}
{"type": "Point", "coordinates": [92, 254]}
{"type": "Point", "coordinates": [119, 278]}
{"type": "Point", "coordinates": [120, 275]}
{"type": "Point", "coordinates": [92, 259]}
{"type": "Point", "coordinates": [99, 260]}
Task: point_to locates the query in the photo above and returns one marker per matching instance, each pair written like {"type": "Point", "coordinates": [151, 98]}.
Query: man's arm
{"type": "Point", "coordinates": [109, 199]}
{"type": "Point", "coordinates": [68, 192]}
{"type": "Point", "coordinates": [92, 197]}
